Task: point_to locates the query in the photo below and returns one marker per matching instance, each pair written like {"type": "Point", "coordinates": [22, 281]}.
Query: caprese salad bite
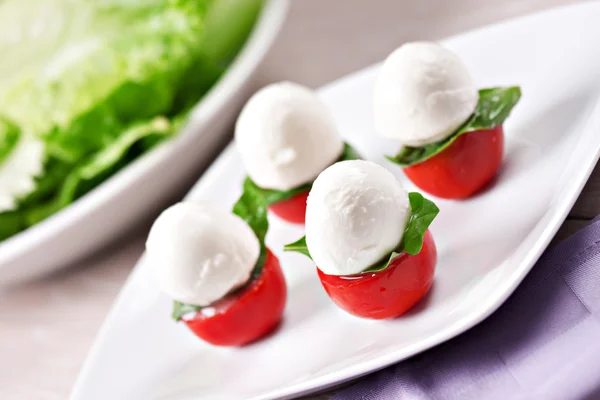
{"type": "Point", "coordinates": [228, 287]}
{"type": "Point", "coordinates": [369, 239]}
{"type": "Point", "coordinates": [451, 133]}
{"type": "Point", "coordinates": [286, 137]}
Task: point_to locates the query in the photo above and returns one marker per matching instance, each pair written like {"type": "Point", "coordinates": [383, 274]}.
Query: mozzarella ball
{"type": "Point", "coordinates": [198, 253]}
{"type": "Point", "coordinates": [286, 136]}
{"type": "Point", "coordinates": [356, 215]}
{"type": "Point", "coordinates": [423, 94]}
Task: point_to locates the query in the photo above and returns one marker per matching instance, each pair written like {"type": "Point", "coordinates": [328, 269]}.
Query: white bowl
{"type": "Point", "coordinates": [147, 182]}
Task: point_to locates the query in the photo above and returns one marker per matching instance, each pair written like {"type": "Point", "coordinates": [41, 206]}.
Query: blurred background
{"type": "Point", "coordinates": [47, 326]}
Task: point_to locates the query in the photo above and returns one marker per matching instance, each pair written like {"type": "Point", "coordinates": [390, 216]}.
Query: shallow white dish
{"type": "Point", "coordinates": [140, 187]}
{"type": "Point", "coordinates": [486, 245]}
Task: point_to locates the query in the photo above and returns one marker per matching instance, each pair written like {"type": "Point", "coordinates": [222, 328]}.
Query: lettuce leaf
{"type": "Point", "coordinates": [11, 223]}
{"type": "Point", "coordinates": [96, 85]}
{"type": "Point", "coordinates": [9, 136]}
{"type": "Point", "coordinates": [62, 183]}
{"type": "Point", "coordinates": [103, 82]}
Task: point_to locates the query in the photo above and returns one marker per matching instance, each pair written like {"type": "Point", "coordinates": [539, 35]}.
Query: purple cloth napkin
{"type": "Point", "coordinates": [543, 343]}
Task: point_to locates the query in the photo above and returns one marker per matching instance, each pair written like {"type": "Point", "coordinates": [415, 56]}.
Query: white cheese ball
{"type": "Point", "coordinates": [286, 136]}
{"type": "Point", "coordinates": [199, 253]}
{"type": "Point", "coordinates": [356, 215]}
{"type": "Point", "coordinates": [423, 93]}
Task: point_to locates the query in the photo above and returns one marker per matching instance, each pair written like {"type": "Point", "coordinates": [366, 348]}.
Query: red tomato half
{"type": "Point", "coordinates": [291, 210]}
{"type": "Point", "coordinates": [388, 293]}
{"type": "Point", "coordinates": [245, 316]}
{"type": "Point", "coordinates": [463, 168]}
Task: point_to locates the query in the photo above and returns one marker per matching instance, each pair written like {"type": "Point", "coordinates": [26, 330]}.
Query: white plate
{"type": "Point", "coordinates": [138, 189]}
{"type": "Point", "coordinates": [486, 245]}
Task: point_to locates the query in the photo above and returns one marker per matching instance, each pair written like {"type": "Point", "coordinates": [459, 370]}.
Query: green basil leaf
{"type": "Point", "coordinates": [252, 208]}
{"type": "Point", "coordinates": [422, 213]}
{"type": "Point", "coordinates": [9, 136]}
{"type": "Point", "coordinates": [298, 246]}
{"type": "Point", "coordinates": [349, 153]}
{"type": "Point", "coordinates": [381, 266]}
{"type": "Point", "coordinates": [180, 309]}
{"type": "Point", "coordinates": [494, 106]}
{"type": "Point", "coordinates": [273, 196]}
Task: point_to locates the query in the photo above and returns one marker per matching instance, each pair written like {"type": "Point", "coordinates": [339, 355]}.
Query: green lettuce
{"type": "Point", "coordinates": [62, 183]}
{"type": "Point", "coordinates": [128, 67]}
{"type": "Point", "coordinates": [9, 136]}
{"type": "Point", "coordinates": [106, 82]}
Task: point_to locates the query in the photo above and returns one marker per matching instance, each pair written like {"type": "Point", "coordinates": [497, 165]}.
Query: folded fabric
{"type": "Point", "coordinates": [543, 343]}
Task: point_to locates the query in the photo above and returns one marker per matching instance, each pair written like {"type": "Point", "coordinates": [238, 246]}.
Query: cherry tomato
{"type": "Point", "coordinates": [388, 293]}
{"type": "Point", "coordinates": [463, 168]}
{"type": "Point", "coordinates": [245, 315]}
{"type": "Point", "coordinates": [291, 210]}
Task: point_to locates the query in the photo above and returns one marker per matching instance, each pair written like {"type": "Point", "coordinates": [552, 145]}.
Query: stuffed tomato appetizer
{"type": "Point", "coordinates": [228, 288]}
{"type": "Point", "coordinates": [451, 134]}
{"type": "Point", "coordinates": [369, 238]}
{"type": "Point", "coordinates": [286, 137]}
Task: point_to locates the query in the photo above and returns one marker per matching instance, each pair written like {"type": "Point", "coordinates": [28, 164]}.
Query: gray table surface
{"type": "Point", "coordinates": [47, 326]}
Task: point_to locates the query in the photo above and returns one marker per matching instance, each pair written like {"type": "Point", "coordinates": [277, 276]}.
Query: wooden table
{"type": "Point", "coordinates": [47, 326]}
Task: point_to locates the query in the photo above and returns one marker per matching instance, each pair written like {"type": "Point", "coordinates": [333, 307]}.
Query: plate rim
{"type": "Point", "coordinates": [363, 368]}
